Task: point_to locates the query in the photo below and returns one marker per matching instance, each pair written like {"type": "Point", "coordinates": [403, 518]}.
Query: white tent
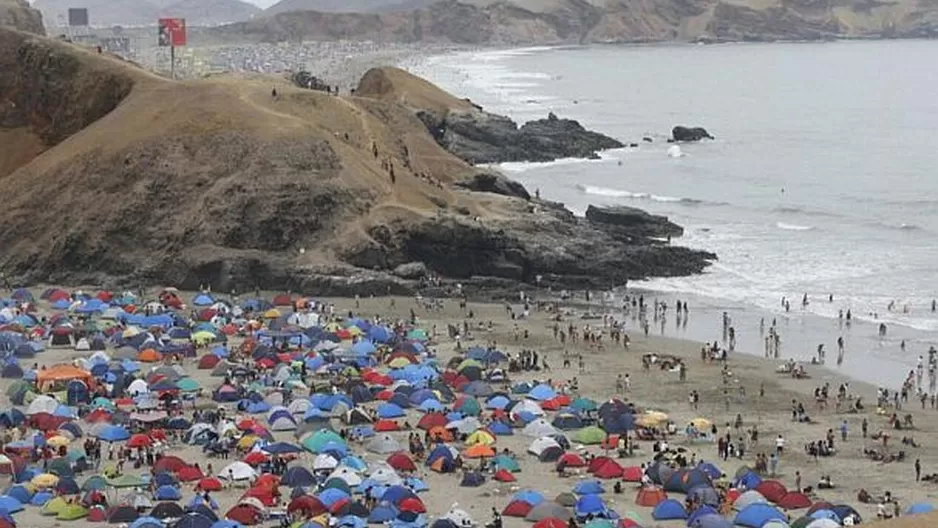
{"type": "Point", "coordinates": [237, 471]}
{"type": "Point", "coordinates": [383, 445]}
{"type": "Point", "coordinates": [538, 446]}
{"type": "Point", "coordinates": [42, 404]}
{"type": "Point", "coordinates": [346, 474]}
{"type": "Point", "coordinates": [325, 462]}
{"type": "Point", "coordinates": [538, 428]}
{"type": "Point", "coordinates": [137, 387]}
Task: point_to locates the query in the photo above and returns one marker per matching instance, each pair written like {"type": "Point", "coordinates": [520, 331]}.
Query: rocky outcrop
{"type": "Point", "coordinates": [230, 187]}
{"type": "Point", "coordinates": [682, 133]}
{"type": "Point", "coordinates": [633, 223]}
{"type": "Point", "coordinates": [481, 137]}
{"type": "Point", "coordinates": [495, 182]}
{"type": "Point", "coordinates": [18, 14]}
{"type": "Point", "coordinates": [547, 242]}
{"type": "Point", "coordinates": [477, 136]}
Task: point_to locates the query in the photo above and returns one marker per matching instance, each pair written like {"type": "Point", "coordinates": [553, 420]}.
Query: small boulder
{"type": "Point", "coordinates": [682, 133]}
{"type": "Point", "coordinates": [411, 270]}
{"type": "Point", "coordinates": [497, 183]}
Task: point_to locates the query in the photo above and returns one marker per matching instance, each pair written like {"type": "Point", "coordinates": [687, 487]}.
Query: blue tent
{"type": "Point", "coordinates": [438, 452]}
{"type": "Point", "coordinates": [20, 493]}
{"type": "Point", "coordinates": [497, 402]}
{"type": "Point", "coordinates": [921, 507]}
{"type": "Point", "coordinates": [167, 492]}
{"type": "Point", "coordinates": [10, 504]}
{"type": "Point", "coordinates": [710, 470]}
{"type": "Point", "coordinates": [203, 299]}
{"type": "Point", "coordinates": [389, 410]}
{"type": "Point", "coordinates": [711, 521]}
{"type": "Point", "coordinates": [542, 392]}
{"type": "Point", "coordinates": [590, 505]}
{"type": "Point", "coordinates": [706, 509]}
{"type": "Point", "coordinates": [395, 494]}
{"type": "Point", "coordinates": [500, 429]}
{"type": "Point", "coordinates": [298, 476]}
{"type": "Point", "coordinates": [669, 509]}
{"type": "Point", "coordinates": [755, 515]}
{"type": "Point", "coordinates": [363, 348]}
{"type": "Point", "coordinates": [588, 487]}
{"type": "Point", "coordinates": [114, 433]}
{"type": "Point", "coordinates": [194, 520]}
{"type": "Point", "coordinates": [147, 522]}
{"type": "Point", "coordinates": [531, 497]}
{"type": "Point", "coordinates": [748, 480]}
{"type": "Point", "coordinates": [382, 513]}
{"type": "Point", "coordinates": [330, 496]}
{"type": "Point", "coordinates": [472, 479]}
{"type": "Point", "coordinates": [843, 510]}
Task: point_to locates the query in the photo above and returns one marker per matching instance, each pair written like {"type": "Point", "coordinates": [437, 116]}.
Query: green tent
{"type": "Point", "coordinates": [339, 484]}
{"type": "Point", "coordinates": [72, 512]}
{"type": "Point", "coordinates": [316, 441]}
{"type": "Point", "coordinates": [599, 523]}
{"type": "Point", "coordinates": [584, 404]}
{"type": "Point", "coordinates": [590, 435]}
{"type": "Point", "coordinates": [126, 481]}
{"type": "Point", "coordinates": [417, 334]}
{"type": "Point", "coordinates": [188, 385]}
{"type": "Point", "coordinates": [17, 387]}
{"type": "Point", "coordinates": [95, 482]}
{"type": "Point", "coordinates": [54, 506]}
{"type": "Point", "coordinates": [103, 403]}
{"type": "Point", "coordinates": [802, 522]}
{"type": "Point", "coordinates": [507, 463]}
{"type": "Point", "coordinates": [470, 407]}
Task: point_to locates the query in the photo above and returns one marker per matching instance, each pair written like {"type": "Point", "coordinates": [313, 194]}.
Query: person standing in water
{"type": "Point", "coordinates": [840, 350]}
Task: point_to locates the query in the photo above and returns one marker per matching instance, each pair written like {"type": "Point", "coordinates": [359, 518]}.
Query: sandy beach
{"type": "Point", "coordinates": [653, 389]}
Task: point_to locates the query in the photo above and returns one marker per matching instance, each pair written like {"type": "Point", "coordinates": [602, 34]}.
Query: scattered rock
{"type": "Point", "coordinates": [633, 222]}
{"type": "Point", "coordinates": [497, 183]}
{"type": "Point", "coordinates": [682, 133]}
{"type": "Point", "coordinates": [411, 270]}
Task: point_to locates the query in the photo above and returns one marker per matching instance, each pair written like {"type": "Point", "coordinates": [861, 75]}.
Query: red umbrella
{"type": "Point", "coordinates": [139, 440]}
{"type": "Point", "coordinates": [255, 458]}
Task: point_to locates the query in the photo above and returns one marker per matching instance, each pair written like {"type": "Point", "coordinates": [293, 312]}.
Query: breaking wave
{"type": "Point", "coordinates": [793, 227]}
{"type": "Point", "coordinates": [619, 193]}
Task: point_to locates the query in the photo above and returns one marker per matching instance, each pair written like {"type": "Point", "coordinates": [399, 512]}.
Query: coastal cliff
{"type": "Point", "coordinates": [555, 22]}
{"type": "Point", "coordinates": [18, 14]}
{"type": "Point", "coordinates": [232, 187]}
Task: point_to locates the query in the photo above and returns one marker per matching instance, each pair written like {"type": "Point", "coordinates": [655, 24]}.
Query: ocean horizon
{"type": "Point", "coordinates": [817, 182]}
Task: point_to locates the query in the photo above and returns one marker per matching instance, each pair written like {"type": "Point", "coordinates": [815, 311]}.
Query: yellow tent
{"type": "Point", "coordinates": [702, 424]}
{"type": "Point", "coordinates": [58, 441]}
{"type": "Point", "coordinates": [398, 363]}
{"type": "Point", "coordinates": [46, 480]}
{"type": "Point", "coordinates": [247, 441]}
{"type": "Point", "coordinates": [273, 313]}
{"type": "Point", "coordinates": [480, 437]}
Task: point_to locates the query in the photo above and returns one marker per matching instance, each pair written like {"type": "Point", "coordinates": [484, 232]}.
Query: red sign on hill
{"type": "Point", "coordinates": [172, 32]}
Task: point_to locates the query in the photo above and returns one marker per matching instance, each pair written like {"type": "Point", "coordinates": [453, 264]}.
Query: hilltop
{"type": "Point", "coordinates": [123, 177]}
{"type": "Point", "coordinates": [528, 22]}
{"type": "Point", "coordinates": [19, 15]}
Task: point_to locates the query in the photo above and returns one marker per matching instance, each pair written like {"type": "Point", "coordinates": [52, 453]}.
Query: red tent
{"type": "Point", "coordinates": [431, 420]}
{"type": "Point", "coordinates": [632, 474]}
{"type": "Point", "coordinates": [283, 300]}
{"type": "Point", "coordinates": [169, 463]}
{"type": "Point", "coordinates": [412, 505]}
{"type": "Point", "coordinates": [267, 496]}
{"type": "Point", "coordinates": [209, 361]}
{"type": "Point", "coordinates": [503, 475]}
{"type": "Point", "coordinates": [383, 426]}
{"type": "Point", "coordinates": [189, 474]}
{"type": "Point", "coordinates": [401, 462]}
{"type": "Point", "coordinates": [244, 514]}
{"type": "Point", "coordinates": [772, 490]}
{"type": "Point", "coordinates": [608, 470]}
{"type": "Point", "coordinates": [210, 484]}
{"type": "Point", "coordinates": [551, 522]}
{"type": "Point", "coordinates": [650, 496]}
{"type": "Point", "coordinates": [105, 296]}
{"type": "Point", "coordinates": [794, 501]}
{"type": "Point", "coordinates": [96, 514]}
{"type": "Point", "coordinates": [596, 463]}
{"type": "Point", "coordinates": [517, 508]}
{"type": "Point", "coordinates": [267, 480]}
{"type": "Point", "coordinates": [307, 505]}
{"type": "Point", "coordinates": [572, 460]}
{"type": "Point", "coordinates": [255, 458]}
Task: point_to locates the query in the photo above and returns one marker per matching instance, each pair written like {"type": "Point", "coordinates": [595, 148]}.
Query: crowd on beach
{"type": "Point", "coordinates": [298, 378]}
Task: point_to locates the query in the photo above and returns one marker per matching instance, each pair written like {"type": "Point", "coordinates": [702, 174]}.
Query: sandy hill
{"type": "Point", "coordinates": [18, 14]}
{"type": "Point", "coordinates": [120, 175]}
{"type": "Point", "coordinates": [581, 21]}
{"type": "Point", "coordinates": [146, 12]}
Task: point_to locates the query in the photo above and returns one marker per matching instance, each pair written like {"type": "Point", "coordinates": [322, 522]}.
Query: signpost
{"type": "Point", "coordinates": [77, 16]}
{"type": "Point", "coordinates": [172, 33]}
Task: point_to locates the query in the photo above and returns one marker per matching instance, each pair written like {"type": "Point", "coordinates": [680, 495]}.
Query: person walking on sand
{"type": "Point", "coordinates": [779, 444]}
{"type": "Point", "coordinates": [864, 426]}
{"type": "Point", "coordinates": [843, 431]}
{"type": "Point", "coordinates": [918, 470]}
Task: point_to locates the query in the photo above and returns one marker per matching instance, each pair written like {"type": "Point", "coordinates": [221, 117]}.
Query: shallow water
{"type": "Point", "coordinates": [820, 180]}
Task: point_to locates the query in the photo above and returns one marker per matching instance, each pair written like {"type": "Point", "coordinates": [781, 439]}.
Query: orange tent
{"type": "Point", "coordinates": [149, 355]}
{"type": "Point", "coordinates": [479, 451]}
{"type": "Point", "coordinates": [650, 496]}
{"type": "Point", "coordinates": [441, 434]}
{"type": "Point", "coordinates": [63, 373]}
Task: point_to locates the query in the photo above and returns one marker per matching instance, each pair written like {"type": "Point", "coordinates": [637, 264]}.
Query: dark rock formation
{"type": "Point", "coordinates": [550, 242]}
{"type": "Point", "coordinates": [682, 133]}
{"type": "Point", "coordinates": [633, 223]}
{"type": "Point", "coordinates": [19, 15]}
{"type": "Point", "coordinates": [495, 182]}
{"type": "Point", "coordinates": [481, 137]}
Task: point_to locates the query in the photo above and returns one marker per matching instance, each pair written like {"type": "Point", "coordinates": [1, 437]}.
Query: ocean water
{"type": "Point", "coordinates": [822, 180]}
